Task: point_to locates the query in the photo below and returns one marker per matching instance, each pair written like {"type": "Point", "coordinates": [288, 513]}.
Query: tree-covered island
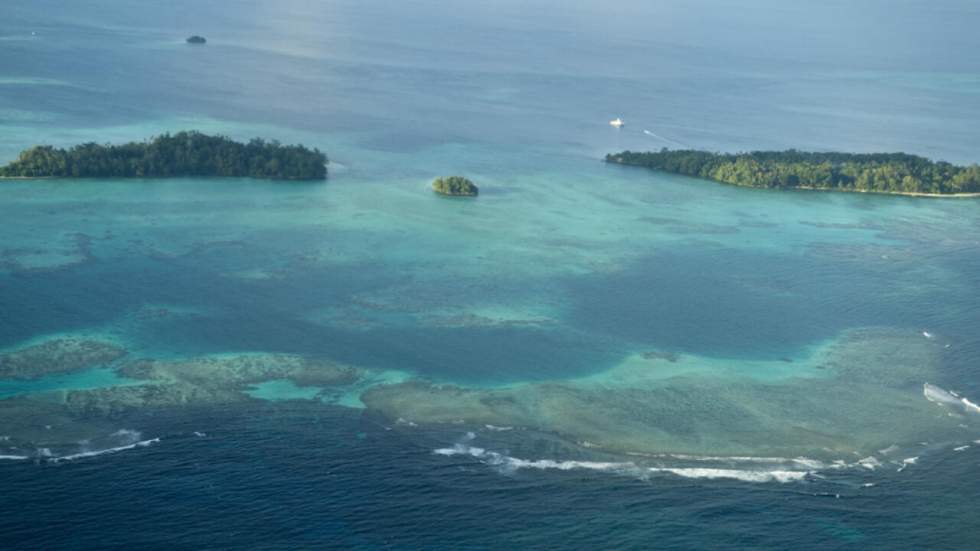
{"type": "Point", "coordinates": [172, 155]}
{"type": "Point", "coordinates": [455, 185]}
{"type": "Point", "coordinates": [897, 173]}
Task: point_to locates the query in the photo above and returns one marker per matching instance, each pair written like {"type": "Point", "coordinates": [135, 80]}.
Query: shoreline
{"type": "Point", "coordinates": [899, 193]}
{"type": "Point", "coordinates": [809, 188]}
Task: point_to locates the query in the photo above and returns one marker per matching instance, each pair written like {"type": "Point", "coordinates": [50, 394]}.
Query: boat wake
{"type": "Point", "coordinates": [663, 139]}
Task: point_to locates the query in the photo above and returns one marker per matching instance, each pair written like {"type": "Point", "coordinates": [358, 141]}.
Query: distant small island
{"type": "Point", "coordinates": [187, 153]}
{"type": "Point", "coordinates": [197, 40]}
{"type": "Point", "coordinates": [895, 173]}
{"type": "Point", "coordinates": [456, 186]}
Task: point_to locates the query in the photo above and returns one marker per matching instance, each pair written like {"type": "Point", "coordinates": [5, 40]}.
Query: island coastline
{"type": "Point", "coordinates": [882, 174]}
{"type": "Point", "coordinates": [184, 154]}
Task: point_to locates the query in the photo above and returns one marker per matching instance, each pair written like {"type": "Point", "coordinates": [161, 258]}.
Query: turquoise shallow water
{"type": "Point", "coordinates": [93, 378]}
{"type": "Point", "coordinates": [590, 309]}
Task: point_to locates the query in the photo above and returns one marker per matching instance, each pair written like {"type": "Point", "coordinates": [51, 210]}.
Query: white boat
{"type": "Point", "coordinates": [617, 122]}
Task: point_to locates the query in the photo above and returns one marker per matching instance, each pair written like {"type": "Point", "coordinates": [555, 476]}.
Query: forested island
{"type": "Point", "coordinates": [172, 155]}
{"type": "Point", "coordinates": [897, 173]}
{"type": "Point", "coordinates": [455, 185]}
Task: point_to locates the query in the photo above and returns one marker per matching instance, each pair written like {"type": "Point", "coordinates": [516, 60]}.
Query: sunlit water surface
{"type": "Point", "coordinates": [597, 353]}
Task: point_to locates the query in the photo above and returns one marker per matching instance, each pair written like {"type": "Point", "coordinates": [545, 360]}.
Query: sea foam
{"type": "Point", "coordinates": [125, 438]}
{"type": "Point", "coordinates": [907, 462]}
{"type": "Point", "coordinates": [13, 457]}
{"type": "Point", "coordinates": [970, 406]}
{"type": "Point", "coordinates": [736, 474]}
{"type": "Point", "coordinates": [947, 398]}
{"type": "Point", "coordinates": [937, 395]}
{"type": "Point", "coordinates": [508, 463]}
{"type": "Point", "coordinates": [96, 453]}
{"type": "Point", "coordinates": [805, 462]}
{"type": "Point", "coordinates": [514, 463]}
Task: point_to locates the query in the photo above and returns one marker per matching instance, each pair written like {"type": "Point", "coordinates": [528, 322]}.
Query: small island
{"type": "Point", "coordinates": [184, 154]}
{"type": "Point", "coordinates": [197, 40]}
{"type": "Point", "coordinates": [894, 173]}
{"type": "Point", "coordinates": [457, 186]}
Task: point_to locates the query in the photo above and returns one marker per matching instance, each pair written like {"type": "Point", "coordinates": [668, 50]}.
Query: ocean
{"type": "Point", "coordinates": [585, 356]}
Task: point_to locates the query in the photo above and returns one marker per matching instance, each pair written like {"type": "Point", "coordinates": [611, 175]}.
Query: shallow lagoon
{"type": "Point", "coordinates": [577, 291]}
{"type": "Point", "coordinates": [567, 277]}
{"type": "Point", "coordinates": [577, 323]}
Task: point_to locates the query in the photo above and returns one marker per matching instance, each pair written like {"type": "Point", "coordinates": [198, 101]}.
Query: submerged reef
{"type": "Point", "coordinates": [237, 372]}
{"type": "Point", "coordinates": [848, 399]}
{"type": "Point", "coordinates": [859, 394]}
{"type": "Point", "coordinates": [67, 417]}
{"type": "Point", "coordinates": [60, 355]}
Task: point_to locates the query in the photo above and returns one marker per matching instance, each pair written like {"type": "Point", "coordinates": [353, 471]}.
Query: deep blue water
{"type": "Point", "coordinates": [577, 265]}
{"type": "Point", "coordinates": [329, 479]}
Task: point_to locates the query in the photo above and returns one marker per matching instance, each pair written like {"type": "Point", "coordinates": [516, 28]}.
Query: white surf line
{"type": "Point", "coordinates": [513, 463]}
{"type": "Point", "coordinates": [948, 398]}
{"type": "Point", "coordinates": [498, 459]}
{"type": "Point", "coordinates": [770, 469]}
{"type": "Point", "coordinates": [801, 461]}
{"type": "Point", "coordinates": [970, 406]}
{"type": "Point", "coordinates": [907, 462]}
{"type": "Point", "coordinates": [871, 463]}
{"type": "Point", "coordinates": [735, 474]}
{"type": "Point", "coordinates": [498, 429]}
{"type": "Point", "coordinates": [95, 453]}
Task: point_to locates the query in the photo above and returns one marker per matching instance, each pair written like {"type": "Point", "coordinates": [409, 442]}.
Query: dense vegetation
{"type": "Point", "coordinates": [197, 40]}
{"type": "Point", "coordinates": [876, 172]}
{"type": "Point", "coordinates": [181, 154]}
{"type": "Point", "coordinates": [455, 185]}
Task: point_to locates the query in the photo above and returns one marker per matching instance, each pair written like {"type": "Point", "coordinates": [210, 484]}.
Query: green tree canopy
{"type": "Point", "coordinates": [877, 172]}
{"type": "Point", "coordinates": [181, 154]}
{"type": "Point", "coordinates": [455, 185]}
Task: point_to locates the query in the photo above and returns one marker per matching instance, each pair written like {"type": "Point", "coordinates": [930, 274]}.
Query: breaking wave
{"type": "Point", "coordinates": [13, 457]}
{"type": "Point", "coordinates": [513, 463]}
{"type": "Point", "coordinates": [805, 462]}
{"type": "Point", "coordinates": [509, 464]}
{"type": "Point", "coordinates": [970, 406]}
{"type": "Point", "coordinates": [96, 453]}
{"type": "Point", "coordinates": [498, 429]}
{"type": "Point", "coordinates": [735, 474]}
{"type": "Point", "coordinates": [121, 440]}
{"type": "Point", "coordinates": [948, 398]}
{"type": "Point", "coordinates": [742, 468]}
